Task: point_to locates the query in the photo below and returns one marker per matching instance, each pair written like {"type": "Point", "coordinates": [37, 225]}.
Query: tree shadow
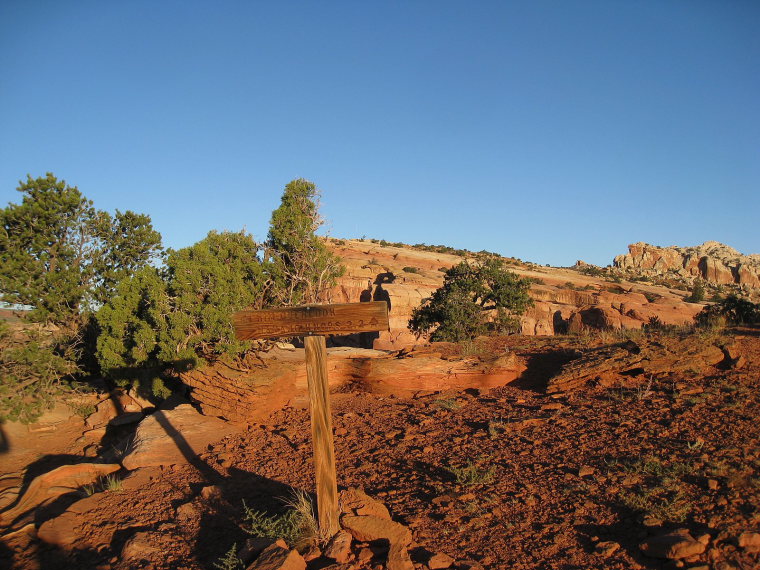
{"type": "Point", "coordinates": [50, 557]}
{"type": "Point", "coordinates": [5, 445]}
{"type": "Point", "coordinates": [222, 521]}
{"type": "Point", "coordinates": [541, 367]}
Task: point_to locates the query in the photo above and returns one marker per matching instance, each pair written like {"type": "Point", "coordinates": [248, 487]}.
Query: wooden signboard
{"type": "Point", "coordinates": [312, 319]}
{"type": "Point", "coordinates": [312, 322]}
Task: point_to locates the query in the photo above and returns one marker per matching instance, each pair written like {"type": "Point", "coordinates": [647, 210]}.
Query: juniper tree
{"type": "Point", "coordinates": [475, 299]}
{"type": "Point", "coordinates": [62, 256]}
{"type": "Point", "coordinates": [180, 316]}
{"type": "Point", "coordinates": [302, 266]}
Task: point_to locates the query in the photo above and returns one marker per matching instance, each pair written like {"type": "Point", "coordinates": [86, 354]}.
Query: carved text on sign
{"type": "Point", "coordinates": [316, 319]}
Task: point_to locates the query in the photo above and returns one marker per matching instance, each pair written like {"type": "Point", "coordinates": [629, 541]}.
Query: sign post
{"type": "Point", "coordinates": [312, 322]}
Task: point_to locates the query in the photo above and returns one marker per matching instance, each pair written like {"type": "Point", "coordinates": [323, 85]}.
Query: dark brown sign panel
{"type": "Point", "coordinates": [312, 319]}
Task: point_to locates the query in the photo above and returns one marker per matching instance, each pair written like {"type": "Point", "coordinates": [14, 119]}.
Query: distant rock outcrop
{"type": "Point", "coordinates": [712, 261]}
{"type": "Point", "coordinates": [565, 299]}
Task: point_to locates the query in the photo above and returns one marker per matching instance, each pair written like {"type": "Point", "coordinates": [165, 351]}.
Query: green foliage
{"type": "Point", "coordinates": [411, 269]}
{"type": "Point", "coordinates": [181, 315]}
{"type": "Point", "coordinates": [697, 293]}
{"type": "Point", "coordinates": [447, 403]}
{"type": "Point", "coordinates": [297, 525]}
{"type": "Point", "coordinates": [732, 310]}
{"type": "Point", "coordinates": [651, 297]}
{"type": "Point", "coordinates": [472, 474]}
{"type": "Point", "coordinates": [661, 492]}
{"type": "Point", "coordinates": [303, 268]}
{"type": "Point", "coordinates": [229, 561]}
{"type": "Point", "coordinates": [112, 483]}
{"type": "Point", "coordinates": [591, 270]}
{"type": "Point", "coordinates": [62, 256]}
{"type": "Point", "coordinates": [285, 526]}
{"type": "Point", "coordinates": [32, 368]}
{"type": "Point", "coordinates": [475, 299]}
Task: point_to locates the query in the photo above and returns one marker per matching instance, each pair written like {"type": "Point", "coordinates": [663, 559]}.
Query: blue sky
{"type": "Point", "coordinates": [549, 131]}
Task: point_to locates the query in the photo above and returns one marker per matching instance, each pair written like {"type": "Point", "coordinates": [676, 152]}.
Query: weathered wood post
{"type": "Point", "coordinates": [322, 433]}
{"type": "Point", "coordinates": [312, 322]}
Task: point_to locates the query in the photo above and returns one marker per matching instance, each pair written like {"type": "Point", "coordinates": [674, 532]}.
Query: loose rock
{"type": "Point", "coordinates": [673, 545]}
{"type": "Point", "coordinates": [369, 528]}
{"type": "Point", "coordinates": [339, 547]}
{"type": "Point", "coordinates": [277, 557]}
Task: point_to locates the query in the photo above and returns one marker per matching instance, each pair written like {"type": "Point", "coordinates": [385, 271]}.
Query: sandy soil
{"type": "Point", "coordinates": [567, 481]}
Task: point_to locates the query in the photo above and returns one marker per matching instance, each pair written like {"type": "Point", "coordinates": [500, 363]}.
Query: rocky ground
{"type": "Point", "coordinates": [619, 450]}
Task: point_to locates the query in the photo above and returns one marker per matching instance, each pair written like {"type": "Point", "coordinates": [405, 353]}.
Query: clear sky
{"type": "Point", "coordinates": [549, 131]}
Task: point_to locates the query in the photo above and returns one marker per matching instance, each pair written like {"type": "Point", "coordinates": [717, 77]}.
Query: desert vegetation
{"type": "Point", "coordinates": [105, 297]}
{"type": "Point", "coordinates": [588, 449]}
{"type": "Point", "coordinates": [476, 298]}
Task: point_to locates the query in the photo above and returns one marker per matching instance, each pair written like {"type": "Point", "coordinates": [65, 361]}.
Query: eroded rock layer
{"type": "Point", "coordinates": [252, 395]}
{"type": "Point", "coordinates": [565, 300]}
{"type": "Point", "coordinates": [712, 261]}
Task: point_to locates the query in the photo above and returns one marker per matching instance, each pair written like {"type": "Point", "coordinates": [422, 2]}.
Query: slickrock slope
{"type": "Point", "coordinates": [280, 380]}
{"type": "Point", "coordinates": [564, 299]}
{"type": "Point", "coordinates": [712, 261]}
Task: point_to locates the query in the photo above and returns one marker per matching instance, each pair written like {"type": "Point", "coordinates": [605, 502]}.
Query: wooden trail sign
{"type": "Point", "coordinates": [312, 319]}
{"type": "Point", "coordinates": [312, 322]}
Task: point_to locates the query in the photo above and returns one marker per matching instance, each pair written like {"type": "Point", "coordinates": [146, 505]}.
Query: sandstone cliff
{"type": "Point", "coordinates": [712, 261]}
{"type": "Point", "coordinates": [564, 299]}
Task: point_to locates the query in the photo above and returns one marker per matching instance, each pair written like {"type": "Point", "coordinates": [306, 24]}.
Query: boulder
{"type": "Point", "coordinates": [251, 396]}
{"type": "Point", "coordinates": [750, 541]}
{"type": "Point", "coordinates": [177, 436]}
{"type": "Point", "coordinates": [673, 545]}
{"type": "Point", "coordinates": [46, 487]}
{"type": "Point", "coordinates": [357, 502]}
{"type": "Point", "coordinates": [621, 364]}
{"type": "Point", "coordinates": [105, 411]}
{"type": "Point", "coordinates": [278, 557]}
{"type": "Point", "coordinates": [369, 528]}
{"type": "Point", "coordinates": [398, 558]}
{"type": "Point", "coordinates": [339, 547]}
{"type": "Point", "coordinates": [141, 546]}
{"type": "Point", "coordinates": [440, 561]}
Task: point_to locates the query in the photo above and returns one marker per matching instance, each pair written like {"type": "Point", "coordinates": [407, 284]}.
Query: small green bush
{"type": "Point", "coordinates": [410, 269]}
{"type": "Point", "coordinates": [591, 270]}
{"type": "Point", "coordinates": [697, 293]}
{"type": "Point", "coordinates": [472, 474]}
{"type": "Point", "coordinates": [651, 297]}
{"type": "Point", "coordinates": [230, 560]}
{"type": "Point", "coordinates": [732, 310]}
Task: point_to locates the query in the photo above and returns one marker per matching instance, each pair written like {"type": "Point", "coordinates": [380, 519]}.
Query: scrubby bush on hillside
{"type": "Point", "coordinates": [732, 310]}
{"type": "Point", "coordinates": [181, 314]}
{"type": "Point", "coordinates": [697, 293]}
{"type": "Point", "coordinates": [63, 258]}
{"type": "Point", "coordinates": [476, 298]}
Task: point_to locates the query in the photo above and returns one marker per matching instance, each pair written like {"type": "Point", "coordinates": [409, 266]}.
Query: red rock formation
{"type": "Point", "coordinates": [250, 396]}
{"type": "Point", "coordinates": [561, 296]}
{"type": "Point", "coordinates": [712, 261]}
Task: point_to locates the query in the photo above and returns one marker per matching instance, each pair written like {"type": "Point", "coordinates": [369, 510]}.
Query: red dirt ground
{"type": "Point", "coordinates": [569, 481]}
